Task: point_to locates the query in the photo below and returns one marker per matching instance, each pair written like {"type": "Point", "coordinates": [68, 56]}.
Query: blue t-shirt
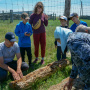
{"type": "Point", "coordinates": [8, 54]}
{"type": "Point", "coordinates": [74, 26]}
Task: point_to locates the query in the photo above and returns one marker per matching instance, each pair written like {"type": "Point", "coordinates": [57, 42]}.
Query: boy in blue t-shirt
{"type": "Point", "coordinates": [24, 31]}
{"type": "Point", "coordinates": [74, 17]}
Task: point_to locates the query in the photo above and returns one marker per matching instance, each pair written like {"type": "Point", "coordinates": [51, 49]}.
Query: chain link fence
{"type": "Point", "coordinates": [12, 9]}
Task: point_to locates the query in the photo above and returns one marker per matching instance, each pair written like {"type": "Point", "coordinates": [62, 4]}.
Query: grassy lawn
{"type": "Point", "coordinates": [50, 55]}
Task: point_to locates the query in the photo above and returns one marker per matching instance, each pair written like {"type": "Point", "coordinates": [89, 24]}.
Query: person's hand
{"type": "Point", "coordinates": [68, 85]}
{"type": "Point", "coordinates": [27, 34]}
{"type": "Point", "coordinates": [15, 76]}
{"type": "Point", "coordinates": [46, 17]}
{"type": "Point", "coordinates": [19, 72]}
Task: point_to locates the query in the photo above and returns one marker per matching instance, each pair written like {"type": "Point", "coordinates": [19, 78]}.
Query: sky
{"type": "Point", "coordinates": [50, 6]}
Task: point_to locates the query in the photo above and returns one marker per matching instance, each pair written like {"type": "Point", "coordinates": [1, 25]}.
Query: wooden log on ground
{"type": "Point", "coordinates": [77, 85]}
{"type": "Point", "coordinates": [39, 74]}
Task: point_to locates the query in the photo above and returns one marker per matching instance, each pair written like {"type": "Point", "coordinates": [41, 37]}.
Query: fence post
{"type": "Point", "coordinates": [3, 16]}
{"type": "Point", "coordinates": [81, 10]}
{"type": "Point", "coordinates": [11, 16]}
{"type": "Point", "coordinates": [67, 9]}
{"type": "Point", "coordinates": [59, 16]}
{"type": "Point", "coordinates": [53, 16]}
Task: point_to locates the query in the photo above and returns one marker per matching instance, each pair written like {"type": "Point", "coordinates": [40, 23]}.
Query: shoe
{"type": "Point", "coordinates": [35, 60]}
{"type": "Point", "coordinates": [42, 62]}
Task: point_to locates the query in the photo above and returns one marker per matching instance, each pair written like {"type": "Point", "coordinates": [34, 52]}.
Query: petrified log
{"type": "Point", "coordinates": [37, 75]}
{"type": "Point", "coordinates": [77, 85]}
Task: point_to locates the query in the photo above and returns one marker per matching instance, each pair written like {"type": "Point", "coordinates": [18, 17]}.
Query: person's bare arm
{"type": "Point", "coordinates": [69, 84]}
{"type": "Point", "coordinates": [6, 67]}
{"type": "Point", "coordinates": [19, 62]}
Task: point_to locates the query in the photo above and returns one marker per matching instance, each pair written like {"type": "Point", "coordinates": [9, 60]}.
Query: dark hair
{"type": "Point", "coordinates": [40, 5]}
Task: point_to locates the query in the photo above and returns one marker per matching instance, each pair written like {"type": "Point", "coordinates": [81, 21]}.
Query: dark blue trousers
{"type": "Point", "coordinates": [29, 54]}
{"type": "Point", "coordinates": [13, 64]}
{"type": "Point", "coordinates": [60, 55]}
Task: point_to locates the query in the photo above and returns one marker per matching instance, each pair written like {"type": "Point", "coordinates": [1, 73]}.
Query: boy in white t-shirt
{"type": "Point", "coordinates": [60, 55]}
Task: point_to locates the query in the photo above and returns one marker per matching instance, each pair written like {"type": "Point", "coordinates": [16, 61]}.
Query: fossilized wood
{"type": "Point", "coordinates": [37, 75]}
{"type": "Point", "coordinates": [77, 85]}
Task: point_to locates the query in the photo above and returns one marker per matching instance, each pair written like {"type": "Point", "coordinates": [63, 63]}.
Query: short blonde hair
{"type": "Point", "coordinates": [82, 28]}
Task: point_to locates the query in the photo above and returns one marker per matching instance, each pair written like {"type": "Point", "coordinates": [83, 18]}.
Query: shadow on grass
{"type": "Point", "coordinates": [4, 84]}
{"type": "Point", "coordinates": [33, 67]}
{"type": "Point", "coordinates": [1, 85]}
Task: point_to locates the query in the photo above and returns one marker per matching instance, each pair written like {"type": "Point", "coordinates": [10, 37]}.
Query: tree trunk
{"type": "Point", "coordinates": [77, 85]}
{"type": "Point", "coordinates": [39, 74]}
{"type": "Point", "coordinates": [67, 9]}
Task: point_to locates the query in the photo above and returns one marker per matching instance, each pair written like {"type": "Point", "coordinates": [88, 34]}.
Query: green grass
{"type": "Point", "coordinates": [50, 55]}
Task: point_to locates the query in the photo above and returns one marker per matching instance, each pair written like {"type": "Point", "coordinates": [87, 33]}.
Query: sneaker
{"type": "Point", "coordinates": [42, 61]}
{"type": "Point", "coordinates": [35, 60]}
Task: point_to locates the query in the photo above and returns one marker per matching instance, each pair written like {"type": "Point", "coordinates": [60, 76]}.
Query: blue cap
{"type": "Point", "coordinates": [10, 36]}
{"type": "Point", "coordinates": [73, 15]}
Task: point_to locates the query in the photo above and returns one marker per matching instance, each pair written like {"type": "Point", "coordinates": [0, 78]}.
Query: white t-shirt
{"type": "Point", "coordinates": [58, 44]}
{"type": "Point", "coordinates": [8, 54]}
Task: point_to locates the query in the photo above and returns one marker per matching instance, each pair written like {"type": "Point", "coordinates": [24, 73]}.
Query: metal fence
{"type": "Point", "coordinates": [12, 9]}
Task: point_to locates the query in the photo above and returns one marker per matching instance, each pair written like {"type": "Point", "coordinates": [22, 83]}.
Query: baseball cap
{"type": "Point", "coordinates": [73, 15]}
{"type": "Point", "coordinates": [25, 16]}
{"type": "Point", "coordinates": [63, 17]}
{"type": "Point", "coordinates": [10, 36]}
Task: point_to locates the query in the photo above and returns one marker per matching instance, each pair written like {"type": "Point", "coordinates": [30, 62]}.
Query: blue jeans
{"type": "Point", "coordinates": [60, 54]}
{"type": "Point", "coordinates": [3, 74]}
{"type": "Point", "coordinates": [13, 65]}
